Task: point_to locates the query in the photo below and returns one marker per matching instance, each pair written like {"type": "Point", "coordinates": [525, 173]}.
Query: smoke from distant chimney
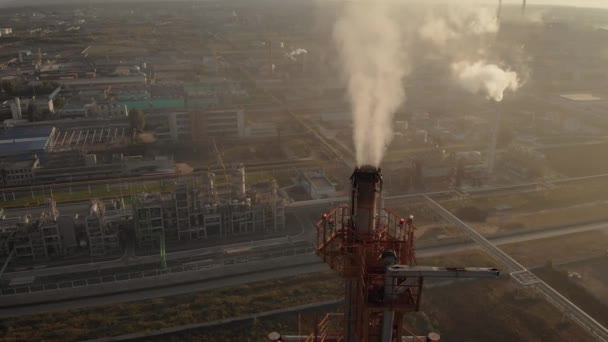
{"type": "Point", "coordinates": [487, 79]}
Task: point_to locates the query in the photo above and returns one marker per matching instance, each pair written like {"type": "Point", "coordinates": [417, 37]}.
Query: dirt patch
{"type": "Point", "coordinates": [577, 161]}
{"type": "Point", "coordinates": [486, 229]}
{"type": "Point", "coordinates": [587, 212]}
{"type": "Point", "coordinates": [469, 258]}
{"type": "Point", "coordinates": [491, 310]}
{"type": "Point", "coordinates": [594, 277]}
{"type": "Point", "coordinates": [572, 289]}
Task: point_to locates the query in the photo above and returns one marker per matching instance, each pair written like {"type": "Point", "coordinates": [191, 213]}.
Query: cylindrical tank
{"type": "Point", "coordinates": [211, 182]}
{"type": "Point", "coordinates": [433, 337]}
{"type": "Point", "coordinates": [240, 181]}
{"type": "Point", "coordinates": [17, 115]}
{"type": "Point", "coordinates": [93, 209]}
{"type": "Point", "coordinates": [366, 187]}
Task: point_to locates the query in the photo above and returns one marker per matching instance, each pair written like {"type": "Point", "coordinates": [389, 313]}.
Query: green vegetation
{"type": "Point", "coordinates": [137, 119]}
{"type": "Point", "coordinates": [583, 191]}
{"type": "Point", "coordinates": [491, 310]}
{"type": "Point", "coordinates": [576, 161]}
{"type": "Point", "coordinates": [97, 191]}
{"type": "Point", "coordinates": [573, 246]}
{"type": "Point", "coordinates": [560, 217]}
{"type": "Point", "coordinates": [250, 331]}
{"type": "Point", "coordinates": [472, 214]}
{"type": "Point", "coordinates": [8, 86]}
{"type": "Point", "coordinates": [154, 314]}
{"type": "Point", "coordinates": [509, 313]}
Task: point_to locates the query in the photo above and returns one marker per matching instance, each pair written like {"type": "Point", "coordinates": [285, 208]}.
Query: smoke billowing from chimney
{"type": "Point", "coordinates": [461, 34]}
{"type": "Point", "coordinates": [487, 79]}
{"type": "Point", "coordinates": [373, 62]}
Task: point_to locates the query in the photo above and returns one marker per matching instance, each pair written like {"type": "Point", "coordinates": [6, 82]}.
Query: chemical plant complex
{"type": "Point", "coordinates": [303, 171]}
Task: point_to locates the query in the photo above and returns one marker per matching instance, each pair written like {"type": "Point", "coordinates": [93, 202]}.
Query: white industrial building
{"type": "Point", "coordinates": [316, 184]}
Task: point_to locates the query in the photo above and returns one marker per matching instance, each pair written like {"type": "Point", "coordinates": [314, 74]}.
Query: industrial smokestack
{"type": "Point", "coordinates": [499, 10]}
{"type": "Point", "coordinates": [366, 188]}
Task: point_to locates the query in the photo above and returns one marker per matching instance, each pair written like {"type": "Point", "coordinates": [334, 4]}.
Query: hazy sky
{"type": "Point", "coordinates": [578, 3]}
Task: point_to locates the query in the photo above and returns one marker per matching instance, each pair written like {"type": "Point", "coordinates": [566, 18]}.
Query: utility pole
{"type": "Point", "coordinates": [163, 255]}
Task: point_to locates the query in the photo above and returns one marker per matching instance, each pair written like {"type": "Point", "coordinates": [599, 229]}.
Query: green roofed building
{"type": "Point", "coordinates": [154, 104]}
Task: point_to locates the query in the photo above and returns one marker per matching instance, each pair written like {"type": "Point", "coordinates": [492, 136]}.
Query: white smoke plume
{"type": "Point", "coordinates": [487, 79]}
{"type": "Point", "coordinates": [372, 59]}
{"type": "Point", "coordinates": [294, 53]}
{"type": "Point", "coordinates": [459, 22]}
{"type": "Point", "coordinates": [463, 33]}
{"type": "Point", "coordinates": [437, 31]}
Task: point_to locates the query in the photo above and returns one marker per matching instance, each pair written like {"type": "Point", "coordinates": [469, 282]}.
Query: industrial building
{"type": "Point", "coordinates": [26, 140]}
{"type": "Point", "coordinates": [18, 173]}
{"type": "Point", "coordinates": [32, 237]}
{"type": "Point", "coordinates": [102, 229]}
{"type": "Point", "coordinates": [196, 210]}
{"type": "Point", "coordinates": [73, 166]}
{"type": "Point", "coordinates": [316, 184]}
{"type": "Point", "coordinates": [169, 126]}
{"type": "Point", "coordinates": [219, 124]}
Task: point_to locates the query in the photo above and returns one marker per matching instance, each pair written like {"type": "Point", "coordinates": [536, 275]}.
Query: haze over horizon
{"type": "Point", "coordinates": [578, 3]}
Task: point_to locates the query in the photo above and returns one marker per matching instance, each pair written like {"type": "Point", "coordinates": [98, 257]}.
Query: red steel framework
{"type": "Point", "coordinates": [357, 255]}
{"type": "Point", "coordinates": [359, 260]}
{"type": "Point", "coordinates": [373, 251]}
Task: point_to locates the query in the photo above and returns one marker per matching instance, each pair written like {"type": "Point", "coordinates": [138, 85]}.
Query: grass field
{"type": "Point", "coordinates": [559, 196]}
{"type": "Point", "coordinates": [489, 310]}
{"type": "Point", "coordinates": [576, 161]}
{"type": "Point", "coordinates": [568, 247]}
{"type": "Point", "coordinates": [557, 217]}
{"type": "Point", "coordinates": [154, 314]}
{"type": "Point", "coordinates": [571, 289]}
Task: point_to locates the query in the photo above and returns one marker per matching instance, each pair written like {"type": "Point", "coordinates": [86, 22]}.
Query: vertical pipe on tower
{"type": "Point", "coordinates": [366, 188]}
